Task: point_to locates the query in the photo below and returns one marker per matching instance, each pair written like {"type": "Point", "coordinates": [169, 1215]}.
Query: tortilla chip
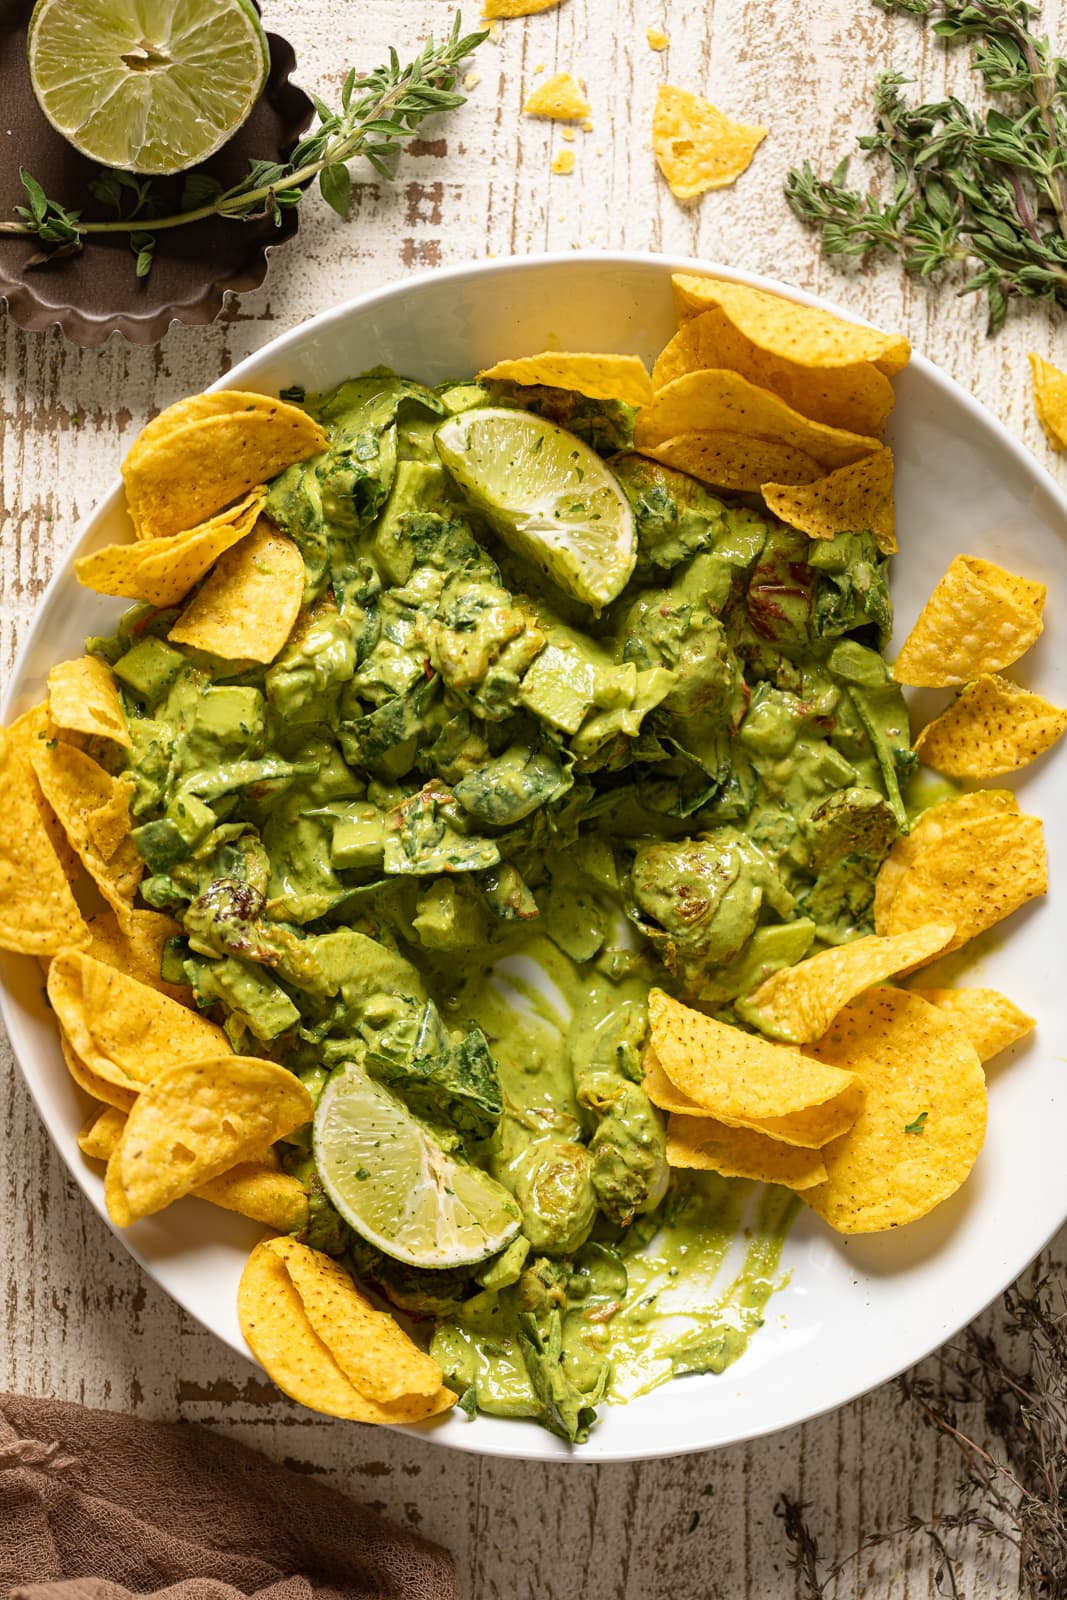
{"type": "Point", "coordinates": [123, 1030]}
{"type": "Point", "coordinates": [785, 328]}
{"type": "Point", "coordinates": [188, 470]}
{"type": "Point", "coordinates": [696, 146]}
{"type": "Point", "coordinates": [194, 1121]}
{"type": "Point", "coordinates": [1050, 400]}
{"type": "Point", "coordinates": [246, 608]}
{"type": "Point", "coordinates": [369, 1346]}
{"type": "Point", "coordinates": [723, 402]}
{"type": "Point", "coordinates": [747, 1082]}
{"type": "Point", "coordinates": [258, 1190]}
{"type": "Point", "coordinates": [799, 1003]}
{"type": "Point", "coordinates": [923, 1119]}
{"type": "Point", "coordinates": [275, 1324]}
{"type": "Point", "coordinates": [162, 571]}
{"type": "Point", "coordinates": [38, 913]}
{"type": "Point", "coordinates": [849, 500]}
{"type": "Point", "coordinates": [516, 8]}
{"type": "Point", "coordinates": [83, 696]}
{"type": "Point", "coordinates": [605, 377]}
{"type": "Point", "coordinates": [135, 946]}
{"type": "Point", "coordinates": [993, 727]}
{"type": "Point", "coordinates": [733, 460]}
{"type": "Point", "coordinates": [990, 1020]}
{"type": "Point", "coordinates": [90, 1083]}
{"type": "Point", "coordinates": [712, 1146]}
{"type": "Point", "coordinates": [979, 619]}
{"type": "Point", "coordinates": [858, 397]}
{"type": "Point", "coordinates": [971, 862]}
{"type": "Point", "coordinates": [561, 98]}
{"type": "Point", "coordinates": [94, 809]}
{"type": "Point", "coordinates": [101, 1132]}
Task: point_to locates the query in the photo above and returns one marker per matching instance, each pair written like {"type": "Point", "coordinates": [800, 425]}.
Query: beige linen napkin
{"type": "Point", "coordinates": [95, 1505]}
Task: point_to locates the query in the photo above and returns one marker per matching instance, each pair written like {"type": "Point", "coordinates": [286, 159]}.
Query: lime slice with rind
{"type": "Point", "coordinates": [394, 1184]}
{"type": "Point", "coordinates": [548, 495]}
{"type": "Point", "coordinates": [150, 86]}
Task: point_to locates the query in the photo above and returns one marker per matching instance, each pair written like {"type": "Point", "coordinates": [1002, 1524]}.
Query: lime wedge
{"type": "Point", "coordinates": [147, 85]}
{"type": "Point", "coordinates": [393, 1183]}
{"type": "Point", "coordinates": [548, 496]}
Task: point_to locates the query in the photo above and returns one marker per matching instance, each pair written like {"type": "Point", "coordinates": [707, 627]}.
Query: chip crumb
{"type": "Point", "coordinates": [564, 162]}
{"type": "Point", "coordinates": [472, 80]}
{"type": "Point", "coordinates": [560, 98]}
{"type": "Point", "coordinates": [657, 39]}
{"type": "Point", "coordinates": [587, 126]}
{"type": "Point", "coordinates": [567, 133]}
{"type": "Point", "coordinates": [1050, 400]}
{"type": "Point", "coordinates": [697, 147]}
{"type": "Point", "coordinates": [540, 67]}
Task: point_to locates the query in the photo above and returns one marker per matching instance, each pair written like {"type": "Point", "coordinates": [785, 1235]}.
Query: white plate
{"type": "Point", "coordinates": [855, 1312]}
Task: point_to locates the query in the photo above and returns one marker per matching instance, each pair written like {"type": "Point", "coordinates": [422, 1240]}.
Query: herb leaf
{"type": "Point", "coordinates": [919, 1125]}
{"type": "Point", "coordinates": [983, 191]}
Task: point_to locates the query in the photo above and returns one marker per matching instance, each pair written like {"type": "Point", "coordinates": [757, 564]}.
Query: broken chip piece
{"type": "Point", "coordinates": [246, 608]}
{"type": "Point", "coordinates": [991, 728]}
{"type": "Point", "coordinates": [1050, 400]}
{"type": "Point", "coordinates": [979, 619]}
{"type": "Point", "coordinates": [38, 912]}
{"type": "Point", "coordinates": [697, 147]}
{"type": "Point", "coordinates": [83, 696]}
{"type": "Point", "coordinates": [560, 97]}
{"type": "Point", "coordinates": [990, 1020]}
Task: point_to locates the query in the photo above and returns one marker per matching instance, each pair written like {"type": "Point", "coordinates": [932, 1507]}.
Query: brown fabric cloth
{"type": "Point", "coordinates": [95, 1505]}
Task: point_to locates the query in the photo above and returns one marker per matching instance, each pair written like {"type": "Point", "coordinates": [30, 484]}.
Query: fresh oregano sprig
{"type": "Point", "coordinates": [377, 114]}
{"type": "Point", "coordinates": [981, 189]}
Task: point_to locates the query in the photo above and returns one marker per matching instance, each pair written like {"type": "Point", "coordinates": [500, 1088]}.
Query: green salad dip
{"type": "Point", "coordinates": [451, 836]}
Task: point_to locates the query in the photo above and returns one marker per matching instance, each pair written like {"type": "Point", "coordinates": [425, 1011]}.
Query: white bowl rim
{"type": "Point", "coordinates": [235, 377]}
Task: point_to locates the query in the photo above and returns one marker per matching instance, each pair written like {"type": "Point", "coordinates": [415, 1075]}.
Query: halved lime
{"type": "Point", "coordinates": [548, 496]}
{"type": "Point", "coordinates": [393, 1183]}
{"type": "Point", "coordinates": [147, 85]}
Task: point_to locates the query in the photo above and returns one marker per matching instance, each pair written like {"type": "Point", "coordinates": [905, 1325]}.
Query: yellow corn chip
{"type": "Point", "coordinates": [600, 377]}
{"type": "Point", "coordinates": [28, 732]}
{"type": "Point", "coordinates": [163, 571]}
{"type": "Point", "coordinates": [662, 1092]}
{"type": "Point", "coordinates": [38, 913]}
{"type": "Point", "coordinates": [124, 1031]}
{"type": "Point", "coordinates": [849, 500]}
{"type": "Point", "coordinates": [111, 1094]}
{"type": "Point", "coordinates": [799, 1003]}
{"type": "Point", "coordinates": [101, 1132]}
{"type": "Point", "coordinates": [369, 1346]}
{"type": "Point", "coordinates": [971, 862]}
{"type": "Point", "coordinates": [185, 474]}
{"type": "Point", "coordinates": [246, 608]}
{"type": "Point", "coordinates": [784, 328]}
{"type": "Point", "coordinates": [561, 98]}
{"type": "Point", "coordinates": [857, 397]}
{"type": "Point", "coordinates": [275, 1324]}
{"type": "Point", "coordinates": [696, 146]}
{"type": "Point", "coordinates": [135, 946]}
{"type": "Point", "coordinates": [258, 1190]}
{"type": "Point", "coordinates": [734, 460]}
{"type": "Point", "coordinates": [712, 1146]}
{"type": "Point", "coordinates": [82, 695]}
{"type": "Point", "coordinates": [990, 1020]}
{"type": "Point", "coordinates": [923, 1119]}
{"type": "Point", "coordinates": [1050, 400]}
{"type": "Point", "coordinates": [979, 619]}
{"type": "Point", "coordinates": [94, 809]}
{"type": "Point", "coordinates": [993, 727]}
{"type": "Point", "coordinates": [194, 1121]}
{"type": "Point", "coordinates": [657, 39]}
{"type": "Point", "coordinates": [516, 8]}
{"type": "Point", "coordinates": [726, 403]}
{"type": "Point", "coordinates": [563, 163]}
{"type": "Point", "coordinates": [195, 408]}
{"type": "Point", "coordinates": [747, 1082]}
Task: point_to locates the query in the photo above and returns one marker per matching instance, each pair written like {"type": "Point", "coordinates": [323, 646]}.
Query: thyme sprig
{"type": "Point", "coordinates": [980, 189]}
{"type": "Point", "coordinates": [1013, 1490]}
{"type": "Point", "coordinates": [377, 114]}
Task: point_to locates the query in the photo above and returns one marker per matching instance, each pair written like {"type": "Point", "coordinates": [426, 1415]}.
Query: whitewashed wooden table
{"type": "Point", "coordinates": [82, 1320]}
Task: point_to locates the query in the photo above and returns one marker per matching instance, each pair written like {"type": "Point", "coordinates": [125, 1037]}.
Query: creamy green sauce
{"type": "Point", "coordinates": [456, 831]}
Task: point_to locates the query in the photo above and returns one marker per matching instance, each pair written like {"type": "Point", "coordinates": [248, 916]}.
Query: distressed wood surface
{"type": "Point", "coordinates": [82, 1321]}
